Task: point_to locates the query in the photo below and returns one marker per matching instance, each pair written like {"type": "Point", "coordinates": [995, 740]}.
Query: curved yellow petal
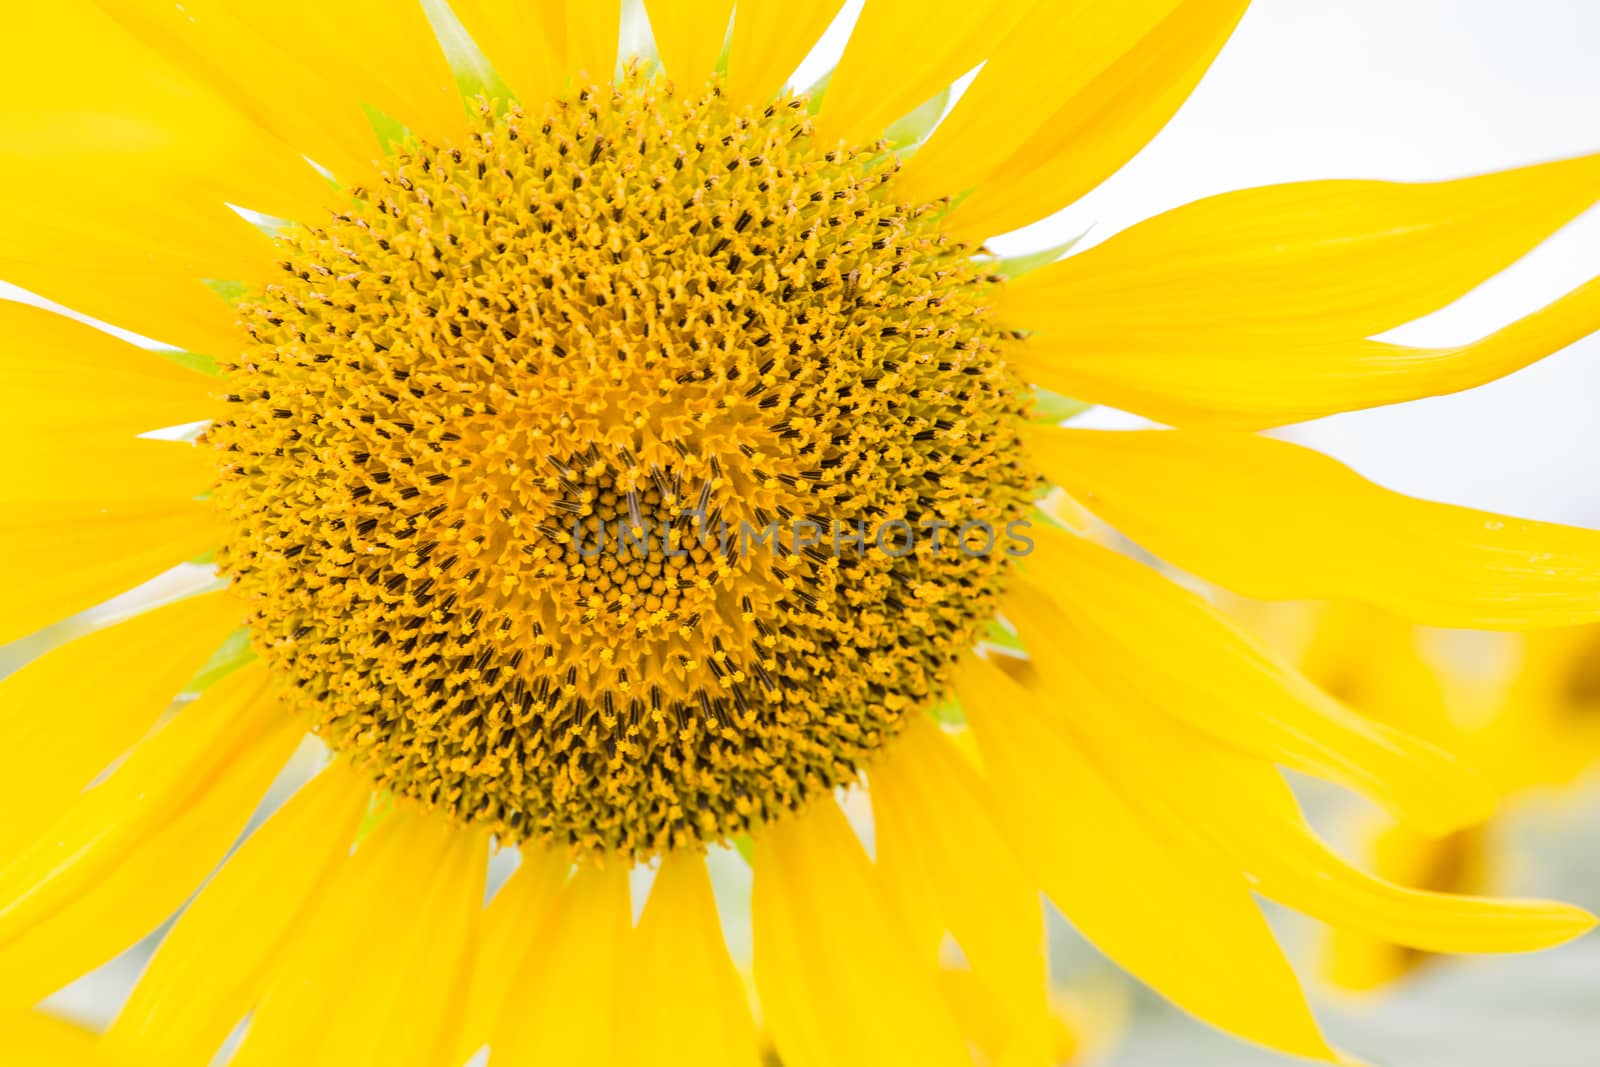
{"type": "Point", "coordinates": [841, 981]}
{"type": "Point", "coordinates": [91, 106]}
{"type": "Point", "coordinates": [942, 852]}
{"type": "Point", "coordinates": [35, 1039]}
{"type": "Point", "coordinates": [519, 910]}
{"type": "Point", "coordinates": [1305, 262]}
{"type": "Point", "coordinates": [1186, 927]}
{"type": "Point", "coordinates": [1103, 606]}
{"type": "Point", "coordinates": [1255, 387]}
{"type": "Point", "coordinates": [376, 971]}
{"type": "Point", "coordinates": [209, 40]}
{"type": "Point", "coordinates": [902, 52]}
{"type": "Point", "coordinates": [65, 374]}
{"type": "Point", "coordinates": [150, 882]}
{"type": "Point", "coordinates": [689, 36]}
{"type": "Point", "coordinates": [565, 1006]}
{"type": "Point", "coordinates": [1051, 54]}
{"type": "Point", "coordinates": [172, 769]}
{"type": "Point", "coordinates": [1277, 521]}
{"type": "Point", "coordinates": [79, 556]}
{"type": "Point", "coordinates": [688, 1004]}
{"type": "Point", "coordinates": [215, 962]}
{"type": "Point", "coordinates": [67, 715]}
{"type": "Point", "coordinates": [770, 39]}
{"type": "Point", "coordinates": [1102, 124]}
{"type": "Point", "coordinates": [1241, 806]}
{"type": "Point", "coordinates": [372, 52]}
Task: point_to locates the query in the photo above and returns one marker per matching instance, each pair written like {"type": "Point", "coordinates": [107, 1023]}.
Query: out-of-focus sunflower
{"type": "Point", "coordinates": [606, 296]}
{"type": "Point", "coordinates": [1522, 708]}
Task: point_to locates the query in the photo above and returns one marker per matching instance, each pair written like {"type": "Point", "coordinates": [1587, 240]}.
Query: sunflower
{"type": "Point", "coordinates": [1518, 707]}
{"type": "Point", "coordinates": [459, 294]}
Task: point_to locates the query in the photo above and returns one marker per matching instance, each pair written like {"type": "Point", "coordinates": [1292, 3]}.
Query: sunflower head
{"type": "Point", "coordinates": [559, 461]}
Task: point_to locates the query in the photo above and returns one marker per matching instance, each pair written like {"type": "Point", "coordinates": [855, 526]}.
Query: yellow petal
{"type": "Point", "coordinates": [79, 556]}
{"type": "Point", "coordinates": [1273, 520]}
{"type": "Point", "coordinates": [841, 982]}
{"type": "Point", "coordinates": [941, 850]}
{"type": "Point", "coordinates": [689, 36]}
{"type": "Point", "coordinates": [689, 1005]}
{"type": "Point", "coordinates": [209, 40]}
{"type": "Point", "coordinates": [172, 769]}
{"type": "Point", "coordinates": [538, 45]}
{"type": "Point", "coordinates": [902, 52]}
{"type": "Point", "coordinates": [368, 52]}
{"type": "Point", "coordinates": [1050, 55]}
{"type": "Point", "coordinates": [214, 963]}
{"type": "Point", "coordinates": [101, 469]}
{"type": "Point", "coordinates": [1242, 806]}
{"type": "Point", "coordinates": [1103, 124]}
{"type": "Point", "coordinates": [151, 881]}
{"type": "Point", "coordinates": [89, 104]}
{"type": "Point", "coordinates": [62, 373]}
{"type": "Point", "coordinates": [1187, 928]}
{"type": "Point", "coordinates": [1357, 961]}
{"type": "Point", "coordinates": [770, 38]}
{"type": "Point", "coordinates": [34, 1039]}
{"type": "Point", "coordinates": [1179, 654]}
{"type": "Point", "coordinates": [1302, 263]}
{"type": "Point", "coordinates": [1253, 386]}
{"type": "Point", "coordinates": [376, 970]}
{"type": "Point", "coordinates": [67, 715]}
{"type": "Point", "coordinates": [564, 1005]}
{"type": "Point", "coordinates": [520, 909]}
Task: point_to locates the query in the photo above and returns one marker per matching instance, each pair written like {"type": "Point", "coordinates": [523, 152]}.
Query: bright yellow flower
{"type": "Point", "coordinates": [1521, 708]}
{"type": "Point", "coordinates": [630, 295]}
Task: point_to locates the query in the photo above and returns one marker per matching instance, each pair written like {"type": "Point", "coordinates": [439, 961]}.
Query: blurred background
{"type": "Point", "coordinates": [1406, 89]}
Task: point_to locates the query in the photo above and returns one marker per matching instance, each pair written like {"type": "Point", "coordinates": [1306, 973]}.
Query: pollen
{"type": "Point", "coordinates": [558, 465]}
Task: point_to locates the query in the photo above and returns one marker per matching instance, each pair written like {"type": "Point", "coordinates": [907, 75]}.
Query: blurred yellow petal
{"type": "Point", "coordinates": [689, 1007]}
{"type": "Point", "coordinates": [521, 907]}
{"type": "Point", "coordinates": [565, 1003]}
{"type": "Point", "coordinates": [1088, 602]}
{"type": "Point", "coordinates": [841, 981]}
{"type": "Point", "coordinates": [215, 962]}
{"type": "Point", "coordinates": [33, 1039]}
{"type": "Point", "coordinates": [941, 849]}
{"type": "Point", "coordinates": [212, 42]}
{"type": "Point", "coordinates": [770, 39]}
{"type": "Point", "coordinates": [67, 715]}
{"type": "Point", "coordinates": [1302, 263]}
{"type": "Point", "coordinates": [169, 771]}
{"type": "Point", "coordinates": [1101, 125]}
{"type": "Point", "coordinates": [901, 53]}
{"type": "Point", "coordinates": [689, 36]}
{"type": "Point", "coordinates": [150, 882]}
{"type": "Point", "coordinates": [88, 103]}
{"type": "Point", "coordinates": [1316, 529]}
{"type": "Point", "coordinates": [1051, 54]}
{"type": "Point", "coordinates": [377, 969]}
{"type": "Point", "coordinates": [1147, 901]}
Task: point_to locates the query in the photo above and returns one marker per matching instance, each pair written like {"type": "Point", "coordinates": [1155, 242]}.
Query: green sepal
{"type": "Point", "coordinates": [232, 654]}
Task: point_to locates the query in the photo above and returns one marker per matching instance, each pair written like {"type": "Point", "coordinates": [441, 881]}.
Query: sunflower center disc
{"type": "Point", "coordinates": [553, 457]}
